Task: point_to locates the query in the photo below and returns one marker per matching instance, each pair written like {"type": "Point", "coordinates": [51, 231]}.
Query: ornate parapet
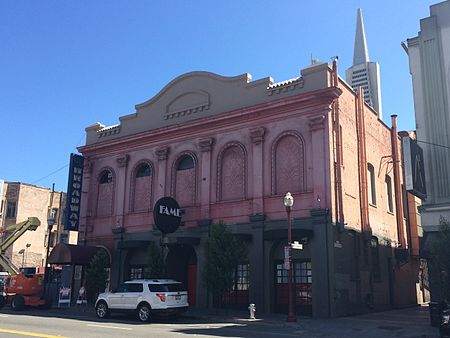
{"type": "Point", "coordinates": [286, 86]}
{"type": "Point", "coordinates": [113, 130]}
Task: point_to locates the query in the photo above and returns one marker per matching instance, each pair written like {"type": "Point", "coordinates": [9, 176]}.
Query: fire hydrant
{"type": "Point", "coordinates": [252, 309]}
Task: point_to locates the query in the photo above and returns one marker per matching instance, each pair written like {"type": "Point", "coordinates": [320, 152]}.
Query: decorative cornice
{"type": "Point", "coordinates": [275, 107]}
{"type": "Point", "coordinates": [108, 131]}
{"type": "Point", "coordinates": [188, 111]}
{"type": "Point", "coordinates": [122, 161]}
{"type": "Point", "coordinates": [206, 144]}
{"type": "Point", "coordinates": [257, 134]}
{"type": "Point", "coordinates": [286, 86]}
{"type": "Point", "coordinates": [317, 122]}
{"type": "Point", "coordinates": [162, 153]}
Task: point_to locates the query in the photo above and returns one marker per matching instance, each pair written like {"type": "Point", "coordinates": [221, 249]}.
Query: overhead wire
{"type": "Point", "coordinates": [434, 144]}
{"type": "Point", "coordinates": [59, 169]}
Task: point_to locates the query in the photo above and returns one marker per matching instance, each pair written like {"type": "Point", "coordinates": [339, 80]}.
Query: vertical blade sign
{"type": "Point", "coordinates": [72, 219]}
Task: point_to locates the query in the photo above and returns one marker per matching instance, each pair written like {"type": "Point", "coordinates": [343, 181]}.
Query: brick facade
{"type": "Point", "coordinates": [33, 201]}
{"type": "Point", "coordinates": [228, 149]}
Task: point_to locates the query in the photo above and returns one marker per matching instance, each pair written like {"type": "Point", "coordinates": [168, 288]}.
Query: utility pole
{"type": "Point", "coordinates": [50, 223]}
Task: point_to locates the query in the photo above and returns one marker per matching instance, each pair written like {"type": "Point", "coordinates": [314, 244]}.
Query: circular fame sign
{"type": "Point", "coordinates": [167, 215]}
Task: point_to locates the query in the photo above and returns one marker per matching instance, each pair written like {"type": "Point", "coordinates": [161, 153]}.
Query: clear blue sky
{"type": "Point", "coordinates": [65, 65]}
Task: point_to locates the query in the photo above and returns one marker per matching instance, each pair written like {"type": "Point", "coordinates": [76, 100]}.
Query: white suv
{"type": "Point", "coordinates": [146, 297]}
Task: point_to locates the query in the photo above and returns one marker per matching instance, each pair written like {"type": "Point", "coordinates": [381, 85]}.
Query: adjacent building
{"type": "Point", "coordinates": [365, 73]}
{"type": "Point", "coordinates": [20, 201]}
{"type": "Point", "coordinates": [429, 65]}
{"type": "Point", "coordinates": [228, 149]}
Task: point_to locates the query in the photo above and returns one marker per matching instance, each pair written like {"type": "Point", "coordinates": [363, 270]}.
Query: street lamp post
{"type": "Point", "coordinates": [50, 223]}
{"type": "Point", "coordinates": [288, 203]}
{"type": "Point", "coordinates": [26, 252]}
{"type": "Point", "coordinates": [22, 252]}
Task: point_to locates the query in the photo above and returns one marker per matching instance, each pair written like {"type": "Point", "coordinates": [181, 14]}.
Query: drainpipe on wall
{"type": "Point", "coordinates": [397, 184]}
{"type": "Point", "coordinates": [60, 226]}
{"type": "Point", "coordinates": [411, 221]}
{"type": "Point", "coordinates": [366, 230]}
{"type": "Point", "coordinates": [338, 151]}
{"type": "Point", "coordinates": [339, 213]}
{"type": "Point", "coordinates": [362, 162]}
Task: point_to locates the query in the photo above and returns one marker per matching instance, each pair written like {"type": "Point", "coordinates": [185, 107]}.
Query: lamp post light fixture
{"type": "Point", "coordinates": [288, 203]}
{"type": "Point", "coordinates": [50, 223]}
{"type": "Point", "coordinates": [22, 252]}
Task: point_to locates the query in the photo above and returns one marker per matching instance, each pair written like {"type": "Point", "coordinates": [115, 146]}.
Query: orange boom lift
{"type": "Point", "coordinates": [20, 290]}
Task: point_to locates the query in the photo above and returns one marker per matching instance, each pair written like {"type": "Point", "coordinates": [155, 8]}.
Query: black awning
{"type": "Point", "coordinates": [69, 254]}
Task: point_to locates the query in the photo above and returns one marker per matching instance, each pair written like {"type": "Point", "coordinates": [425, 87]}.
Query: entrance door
{"type": "Point", "coordinates": [302, 287]}
{"type": "Point", "coordinates": [192, 283]}
{"type": "Point", "coordinates": [238, 296]}
{"type": "Point", "coordinates": [181, 265]}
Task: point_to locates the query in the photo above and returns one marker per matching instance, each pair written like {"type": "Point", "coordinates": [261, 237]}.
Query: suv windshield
{"type": "Point", "coordinates": [166, 287]}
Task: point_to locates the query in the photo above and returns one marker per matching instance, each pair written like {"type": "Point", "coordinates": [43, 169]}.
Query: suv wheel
{"type": "Point", "coordinates": [18, 303]}
{"type": "Point", "coordinates": [101, 310]}
{"type": "Point", "coordinates": [144, 312]}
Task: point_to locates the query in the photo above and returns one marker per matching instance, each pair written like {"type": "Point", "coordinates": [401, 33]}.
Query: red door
{"type": "Point", "coordinates": [302, 287]}
{"type": "Point", "coordinates": [192, 283]}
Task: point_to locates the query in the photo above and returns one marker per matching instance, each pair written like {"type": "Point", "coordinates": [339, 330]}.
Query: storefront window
{"type": "Point", "coordinates": [241, 279]}
{"type": "Point", "coordinates": [136, 272]}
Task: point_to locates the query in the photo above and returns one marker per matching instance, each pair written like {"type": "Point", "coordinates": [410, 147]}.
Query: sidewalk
{"type": "Point", "coordinates": [413, 322]}
{"type": "Point", "coordinates": [410, 322]}
{"type": "Point", "coordinates": [230, 315]}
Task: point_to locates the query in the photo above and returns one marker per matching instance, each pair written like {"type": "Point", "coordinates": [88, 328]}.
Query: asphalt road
{"type": "Point", "coordinates": [33, 323]}
{"type": "Point", "coordinates": [410, 323]}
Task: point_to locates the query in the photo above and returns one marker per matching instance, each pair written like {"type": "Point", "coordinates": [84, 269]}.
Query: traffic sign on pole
{"type": "Point", "coordinates": [296, 245]}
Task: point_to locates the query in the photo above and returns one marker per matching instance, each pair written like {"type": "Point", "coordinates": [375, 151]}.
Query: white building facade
{"type": "Point", "coordinates": [429, 65]}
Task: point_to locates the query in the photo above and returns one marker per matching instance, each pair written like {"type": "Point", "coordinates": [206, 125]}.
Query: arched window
{"type": "Point", "coordinates": [106, 177]}
{"type": "Point", "coordinates": [390, 204]}
{"type": "Point", "coordinates": [185, 181]}
{"type": "Point", "coordinates": [371, 184]}
{"type": "Point", "coordinates": [232, 173]}
{"type": "Point", "coordinates": [105, 193]}
{"type": "Point", "coordinates": [186, 163]}
{"type": "Point", "coordinates": [288, 169]}
{"type": "Point", "coordinates": [142, 189]}
{"type": "Point", "coordinates": [143, 170]}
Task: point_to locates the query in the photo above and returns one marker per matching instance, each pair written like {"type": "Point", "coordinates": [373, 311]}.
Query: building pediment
{"type": "Point", "coordinates": [186, 104]}
{"type": "Point", "coordinates": [190, 96]}
{"type": "Point", "coordinates": [198, 95]}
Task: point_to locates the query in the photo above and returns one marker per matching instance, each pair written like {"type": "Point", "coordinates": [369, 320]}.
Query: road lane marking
{"type": "Point", "coordinates": [32, 334]}
{"type": "Point", "coordinates": [110, 327]}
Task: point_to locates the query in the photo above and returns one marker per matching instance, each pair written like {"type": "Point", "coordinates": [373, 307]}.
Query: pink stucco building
{"type": "Point", "coordinates": [228, 149]}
